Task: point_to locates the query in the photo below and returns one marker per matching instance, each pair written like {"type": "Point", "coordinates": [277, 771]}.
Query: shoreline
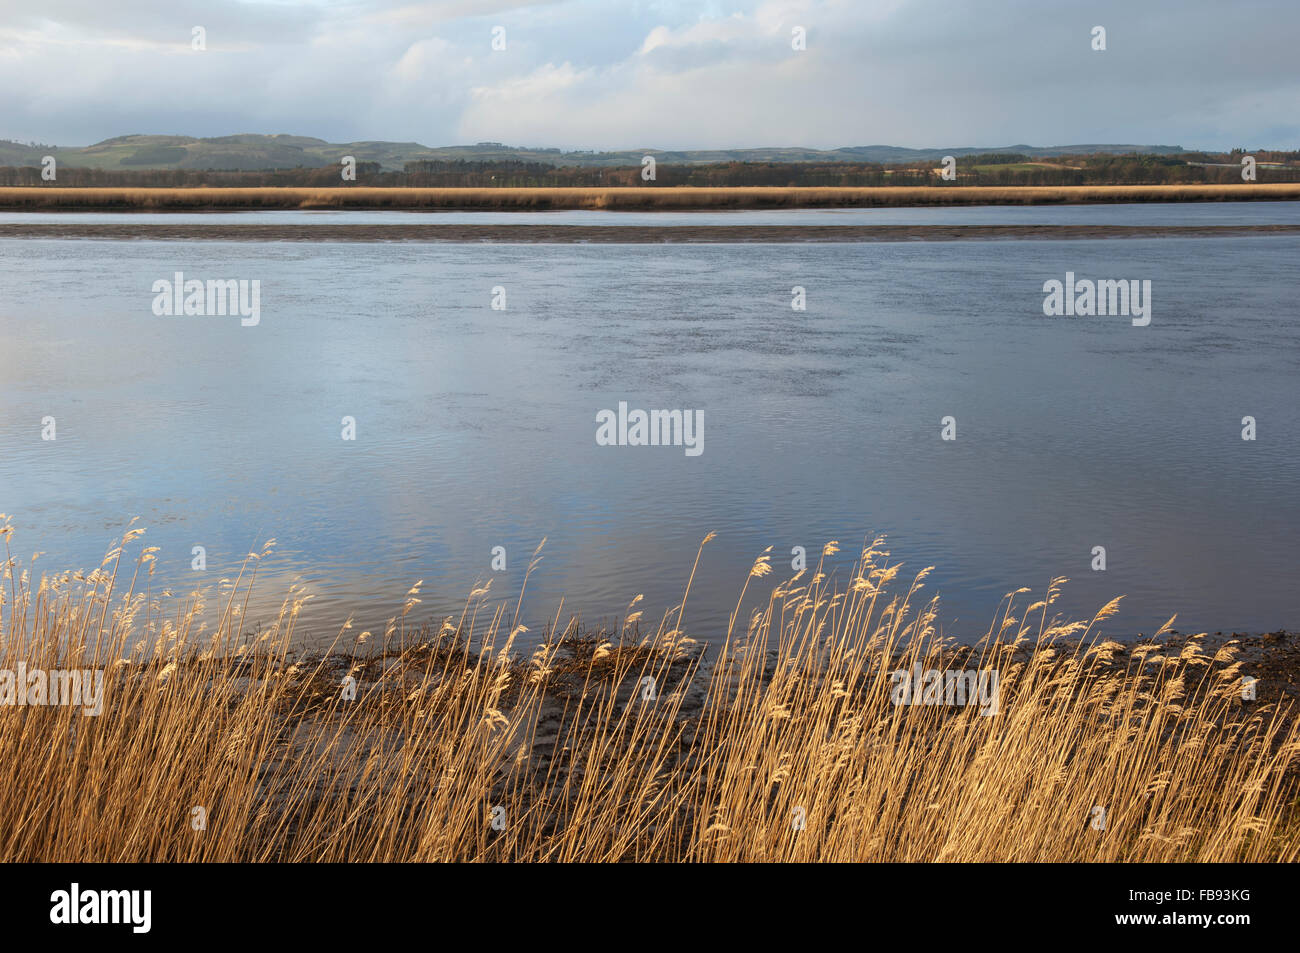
{"type": "Point", "coordinates": [626, 234]}
{"type": "Point", "coordinates": [667, 198]}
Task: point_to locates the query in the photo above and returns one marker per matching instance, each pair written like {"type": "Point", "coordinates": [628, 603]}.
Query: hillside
{"type": "Point", "coordinates": [252, 152]}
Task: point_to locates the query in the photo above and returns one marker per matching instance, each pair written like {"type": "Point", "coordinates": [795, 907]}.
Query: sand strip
{"type": "Point", "coordinates": [624, 234]}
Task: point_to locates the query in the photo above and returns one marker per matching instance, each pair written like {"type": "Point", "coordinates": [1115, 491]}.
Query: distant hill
{"type": "Point", "coordinates": [260, 153]}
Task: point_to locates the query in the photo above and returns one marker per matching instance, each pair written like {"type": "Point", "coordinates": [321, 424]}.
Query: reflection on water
{"type": "Point", "coordinates": [475, 427]}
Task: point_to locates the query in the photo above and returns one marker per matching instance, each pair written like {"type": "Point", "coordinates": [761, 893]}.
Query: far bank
{"type": "Point", "coordinates": [619, 199]}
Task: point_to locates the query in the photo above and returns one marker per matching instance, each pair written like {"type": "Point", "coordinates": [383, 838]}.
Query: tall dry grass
{"type": "Point", "coordinates": [669, 198]}
{"type": "Point", "coordinates": [567, 748]}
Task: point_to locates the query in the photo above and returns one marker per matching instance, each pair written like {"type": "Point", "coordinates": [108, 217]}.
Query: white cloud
{"type": "Point", "coordinates": [598, 74]}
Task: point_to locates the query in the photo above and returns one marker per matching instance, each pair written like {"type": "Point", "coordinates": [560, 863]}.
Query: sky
{"type": "Point", "coordinates": [609, 74]}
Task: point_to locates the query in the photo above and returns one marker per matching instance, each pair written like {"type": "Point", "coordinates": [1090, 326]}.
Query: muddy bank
{"type": "Point", "coordinates": [626, 234]}
{"type": "Point", "coordinates": [589, 667]}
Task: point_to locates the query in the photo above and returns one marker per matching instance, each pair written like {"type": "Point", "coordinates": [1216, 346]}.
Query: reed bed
{"type": "Point", "coordinates": [781, 742]}
{"type": "Point", "coordinates": [617, 199]}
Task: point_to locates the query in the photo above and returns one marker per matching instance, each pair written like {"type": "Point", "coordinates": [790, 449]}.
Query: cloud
{"type": "Point", "coordinates": [596, 74]}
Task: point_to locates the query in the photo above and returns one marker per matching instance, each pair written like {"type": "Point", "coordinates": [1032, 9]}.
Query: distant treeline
{"type": "Point", "coordinates": [994, 169]}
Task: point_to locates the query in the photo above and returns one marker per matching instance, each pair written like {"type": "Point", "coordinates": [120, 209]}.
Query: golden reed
{"type": "Point", "coordinates": [627, 199]}
{"type": "Point", "coordinates": [786, 740]}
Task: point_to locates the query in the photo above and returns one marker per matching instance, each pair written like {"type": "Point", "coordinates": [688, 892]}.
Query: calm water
{"type": "Point", "coordinates": [476, 427]}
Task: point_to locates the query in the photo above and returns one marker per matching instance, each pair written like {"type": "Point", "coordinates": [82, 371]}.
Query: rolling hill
{"type": "Point", "coordinates": [251, 152]}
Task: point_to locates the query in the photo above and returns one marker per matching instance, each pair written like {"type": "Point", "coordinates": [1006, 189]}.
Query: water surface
{"type": "Point", "coordinates": [476, 427]}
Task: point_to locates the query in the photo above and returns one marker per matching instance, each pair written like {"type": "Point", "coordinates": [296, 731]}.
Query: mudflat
{"type": "Point", "coordinates": [622, 234]}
